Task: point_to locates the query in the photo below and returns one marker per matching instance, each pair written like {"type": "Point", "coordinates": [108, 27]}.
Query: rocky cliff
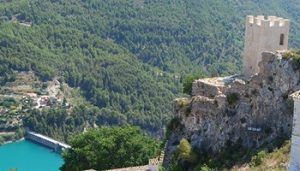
{"type": "Point", "coordinates": [229, 110]}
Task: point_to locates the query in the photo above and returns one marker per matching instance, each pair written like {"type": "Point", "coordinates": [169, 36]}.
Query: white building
{"type": "Point", "coordinates": [263, 34]}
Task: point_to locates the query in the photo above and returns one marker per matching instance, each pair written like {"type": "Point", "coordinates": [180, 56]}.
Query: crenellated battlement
{"type": "Point", "coordinates": [270, 21]}
{"type": "Point", "coordinates": [263, 34]}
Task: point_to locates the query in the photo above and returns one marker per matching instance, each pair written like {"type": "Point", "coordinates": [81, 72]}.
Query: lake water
{"type": "Point", "coordinates": [27, 156]}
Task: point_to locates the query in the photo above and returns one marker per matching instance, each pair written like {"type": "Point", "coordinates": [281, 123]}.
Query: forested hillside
{"type": "Point", "coordinates": [129, 56]}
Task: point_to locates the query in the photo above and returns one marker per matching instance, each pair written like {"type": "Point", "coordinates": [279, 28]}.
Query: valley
{"type": "Point", "coordinates": [96, 71]}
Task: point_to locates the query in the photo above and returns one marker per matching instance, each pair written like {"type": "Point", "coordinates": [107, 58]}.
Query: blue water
{"type": "Point", "coordinates": [27, 156]}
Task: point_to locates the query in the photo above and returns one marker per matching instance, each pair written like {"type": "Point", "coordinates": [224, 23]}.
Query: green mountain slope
{"type": "Point", "coordinates": [128, 56]}
{"type": "Point", "coordinates": [109, 76]}
{"type": "Point", "coordinates": [172, 35]}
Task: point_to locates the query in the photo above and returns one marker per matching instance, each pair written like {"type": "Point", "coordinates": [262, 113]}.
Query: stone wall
{"type": "Point", "coordinates": [263, 34]}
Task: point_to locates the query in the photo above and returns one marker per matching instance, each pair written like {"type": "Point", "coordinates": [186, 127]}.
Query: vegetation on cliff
{"type": "Point", "coordinates": [107, 148]}
{"type": "Point", "coordinates": [294, 55]}
{"type": "Point", "coordinates": [188, 82]}
{"type": "Point", "coordinates": [273, 156]}
{"type": "Point", "coordinates": [264, 160]}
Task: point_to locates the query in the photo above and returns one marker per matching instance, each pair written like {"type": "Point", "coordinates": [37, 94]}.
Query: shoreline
{"type": "Point", "coordinates": [12, 141]}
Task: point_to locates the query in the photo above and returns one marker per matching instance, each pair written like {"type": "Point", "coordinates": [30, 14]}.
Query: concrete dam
{"type": "Point", "coordinates": [46, 141]}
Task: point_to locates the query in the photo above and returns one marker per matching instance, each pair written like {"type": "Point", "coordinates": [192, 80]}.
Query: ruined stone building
{"type": "Point", "coordinates": [251, 109]}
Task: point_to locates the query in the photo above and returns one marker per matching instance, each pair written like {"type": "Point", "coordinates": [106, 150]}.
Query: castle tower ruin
{"type": "Point", "coordinates": [263, 34]}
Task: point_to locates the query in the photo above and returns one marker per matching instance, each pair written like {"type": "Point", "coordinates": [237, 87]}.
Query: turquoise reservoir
{"type": "Point", "coordinates": [27, 156]}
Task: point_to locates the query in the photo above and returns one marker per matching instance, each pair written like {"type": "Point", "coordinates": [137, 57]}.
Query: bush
{"type": "Point", "coordinates": [8, 102]}
{"type": "Point", "coordinates": [188, 84]}
{"type": "Point", "coordinates": [183, 102]}
{"type": "Point", "coordinates": [258, 159]}
{"type": "Point", "coordinates": [295, 56]}
{"type": "Point", "coordinates": [176, 167]}
{"type": "Point", "coordinates": [295, 53]}
{"type": "Point", "coordinates": [172, 125]}
{"type": "Point", "coordinates": [232, 98]}
{"type": "Point", "coordinates": [161, 168]}
{"type": "Point", "coordinates": [203, 168]}
{"type": "Point", "coordinates": [185, 151]}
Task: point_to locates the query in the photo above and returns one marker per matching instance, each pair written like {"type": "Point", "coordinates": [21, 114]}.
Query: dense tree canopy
{"type": "Point", "coordinates": [107, 148]}
{"type": "Point", "coordinates": [129, 57]}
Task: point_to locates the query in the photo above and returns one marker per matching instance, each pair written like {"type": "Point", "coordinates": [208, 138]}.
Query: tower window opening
{"type": "Point", "coordinates": [281, 39]}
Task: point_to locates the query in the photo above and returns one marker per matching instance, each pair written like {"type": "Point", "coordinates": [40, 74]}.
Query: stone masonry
{"type": "Point", "coordinates": [263, 34]}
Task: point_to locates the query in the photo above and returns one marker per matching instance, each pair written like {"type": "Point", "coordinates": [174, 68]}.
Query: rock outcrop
{"type": "Point", "coordinates": [229, 110]}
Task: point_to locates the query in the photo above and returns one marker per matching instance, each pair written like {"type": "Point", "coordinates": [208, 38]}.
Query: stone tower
{"type": "Point", "coordinates": [295, 149]}
{"type": "Point", "coordinates": [263, 34]}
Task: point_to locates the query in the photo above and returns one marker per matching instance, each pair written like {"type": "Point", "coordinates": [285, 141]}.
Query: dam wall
{"type": "Point", "coordinates": [46, 141]}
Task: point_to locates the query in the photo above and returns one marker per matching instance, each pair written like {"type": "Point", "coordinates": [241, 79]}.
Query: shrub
{"type": "Point", "coordinates": [185, 151]}
{"type": "Point", "coordinates": [175, 167]}
{"type": "Point", "coordinates": [183, 102]}
{"type": "Point", "coordinates": [184, 105]}
{"type": "Point", "coordinates": [172, 125]}
{"type": "Point", "coordinates": [161, 168]}
{"type": "Point", "coordinates": [268, 130]}
{"type": "Point", "coordinates": [188, 84]}
{"type": "Point", "coordinates": [8, 102]}
{"type": "Point", "coordinates": [188, 111]}
{"type": "Point", "coordinates": [232, 98]}
{"type": "Point", "coordinates": [203, 168]}
{"type": "Point", "coordinates": [258, 159]}
{"type": "Point", "coordinates": [295, 53]}
{"type": "Point", "coordinates": [295, 56]}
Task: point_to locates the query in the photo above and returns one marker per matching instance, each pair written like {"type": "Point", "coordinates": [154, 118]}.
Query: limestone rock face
{"type": "Point", "coordinates": [233, 109]}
